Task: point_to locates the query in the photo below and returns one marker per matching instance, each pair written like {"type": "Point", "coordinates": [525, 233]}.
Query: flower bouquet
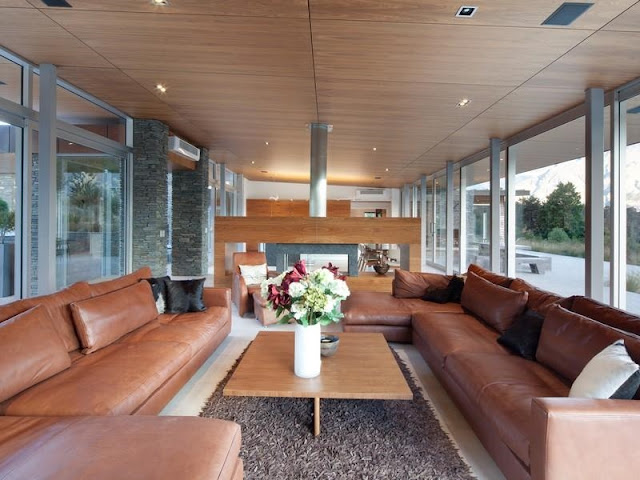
{"type": "Point", "coordinates": [311, 299]}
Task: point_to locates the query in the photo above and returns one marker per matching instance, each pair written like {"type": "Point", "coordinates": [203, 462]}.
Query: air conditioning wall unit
{"type": "Point", "coordinates": [373, 195]}
{"type": "Point", "coordinates": [185, 149]}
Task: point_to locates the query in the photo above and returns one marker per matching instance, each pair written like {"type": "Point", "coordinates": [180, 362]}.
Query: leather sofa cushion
{"type": "Point", "coordinates": [57, 304]}
{"type": "Point", "coordinates": [416, 305]}
{"type": "Point", "coordinates": [447, 333]}
{"type": "Point", "coordinates": [100, 321]}
{"type": "Point", "coordinates": [496, 305]}
{"type": "Point", "coordinates": [113, 381]}
{"type": "Point", "coordinates": [108, 286]}
{"type": "Point", "coordinates": [30, 351]}
{"type": "Point", "coordinates": [414, 284]}
{"type": "Point", "coordinates": [569, 340]}
{"type": "Point", "coordinates": [375, 308]}
{"type": "Point", "coordinates": [107, 448]}
{"type": "Point", "coordinates": [539, 300]}
{"type": "Point", "coordinates": [605, 314]}
{"type": "Point", "coordinates": [490, 276]}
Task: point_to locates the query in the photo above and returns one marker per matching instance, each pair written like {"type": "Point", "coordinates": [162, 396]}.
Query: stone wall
{"type": "Point", "coordinates": [149, 195]}
{"type": "Point", "coordinates": [190, 200]}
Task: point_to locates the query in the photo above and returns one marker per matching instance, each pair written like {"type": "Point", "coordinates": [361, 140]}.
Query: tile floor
{"type": "Point", "coordinates": [189, 400]}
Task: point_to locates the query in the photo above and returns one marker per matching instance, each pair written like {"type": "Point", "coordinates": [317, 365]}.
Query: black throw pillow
{"type": "Point", "coordinates": [159, 290]}
{"type": "Point", "coordinates": [450, 293]}
{"type": "Point", "coordinates": [523, 335]}
{"type": "Point", "coordinates": [185, 296]}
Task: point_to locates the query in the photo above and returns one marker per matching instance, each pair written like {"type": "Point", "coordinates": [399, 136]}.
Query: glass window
{"type": "Point", "coordinates": [429, 254]}
{"type": "Point", "coordinates": [82, 113]}
{"type": "Point", "coordinates": [10, 80]}
{"type": "Point", "coordinates": [476, 201]}
{"type": "Point", "coordinates": [456, 221]}
{"type": "Point", "coordinates": [550, 191]}
{"type": "Point", "coordinates": [631, 177]}
{"type": "Point", "coordinates": [10, 161]}
{"type": "Point", "coordinates": [91, 219]}
{"type": "Point", "coordinates": [440, 186]}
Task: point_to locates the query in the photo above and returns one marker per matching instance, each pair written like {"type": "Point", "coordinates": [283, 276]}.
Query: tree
{"type": "Point", "coordinates": [529, 209]}
{"type": "Point", "coordinates": [563, 209]}
{"type": "Point", "coordinates": [7, 220]}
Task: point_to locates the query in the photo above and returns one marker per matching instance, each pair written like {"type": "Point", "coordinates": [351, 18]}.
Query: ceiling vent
{"type": "Point", "coordinates": [567, 13]}
{"type": "Point", "coordinates": [179, 146]}
{"type": "Point", "coordinates": [634, 110]}
{"type": "Point", "coordinates": [56, 3]}
{"type": "Point", "coordinates": [373, 195]}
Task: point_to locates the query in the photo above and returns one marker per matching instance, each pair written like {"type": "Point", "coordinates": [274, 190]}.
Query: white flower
{"type": "Point", "coordinates": [330, 305]}
{"type": "Point", "coordinates": [323, 276]}
{"type": "Point", "coordinates": [297, 289]}
{"type": "Point", "coordinates": [298, 310]}
{"type": "Point", "coordinates": [339, 288]}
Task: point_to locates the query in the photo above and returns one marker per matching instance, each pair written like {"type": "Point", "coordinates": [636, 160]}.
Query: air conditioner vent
{"type": "Point", "coordinates": [179, 146]}
{"type": "Point", "coordinates": [373, 195]}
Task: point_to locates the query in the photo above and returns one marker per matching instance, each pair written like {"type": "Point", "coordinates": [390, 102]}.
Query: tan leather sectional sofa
{"type": "Point", "coordinates": [518, 408]}
{"type": "Point", "coordinates": [86, 370]}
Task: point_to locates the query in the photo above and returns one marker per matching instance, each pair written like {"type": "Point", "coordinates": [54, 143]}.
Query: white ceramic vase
{"type": "Point", "coordinates": [307, 351]}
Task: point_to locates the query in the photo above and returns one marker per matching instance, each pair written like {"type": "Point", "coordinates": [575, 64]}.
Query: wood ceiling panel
{"type": "Point", "coordinates": [252, 8]}
{"type": "Point", "coordinates": [629, 21]}
{"type": "Point", "coordinates": [36, 37]}
{"type": "Point", "coordinates": [507, 13]}
{"type": "Point", "coordinates": [190, 43]}
{"type": "Point", "coordinates": [436, 53]}
{"type": "Point", "coordinates": [15, 3]}
{"type": "Point", "coordinates": [603, 60]}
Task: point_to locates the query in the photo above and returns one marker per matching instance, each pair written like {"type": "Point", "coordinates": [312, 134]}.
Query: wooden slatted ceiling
{"type": "Point", "coordinates": [385, 74]}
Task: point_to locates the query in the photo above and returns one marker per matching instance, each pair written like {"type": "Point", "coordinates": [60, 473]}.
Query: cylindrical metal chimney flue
{"type": "Point", "coordinates": [318, 173]}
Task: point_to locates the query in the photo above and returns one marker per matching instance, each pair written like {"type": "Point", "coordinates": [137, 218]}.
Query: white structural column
{"type": "Point", "coordinates": [414, 201]}
{"type": "Point", "coordinates": [462, 237]}
{"type": "Point", "coordinates": [494, 209]}
{"type": "Point", "coordinates": [424, 218]}
{"type": "Point", "coordinates": [47, 214]}
{"type": "Point", "coordinates": [594, 197]}
{"type": "Point", "coordinates": [449, 220]}
{"type": "Point", "coordinates": [618, 221]}
{"type": "Point", "coordinates": [318, 170]}
{"type": "Point", "coordinates": [510, 212]}
{"type": "Point", "coordinates": [223, 189]}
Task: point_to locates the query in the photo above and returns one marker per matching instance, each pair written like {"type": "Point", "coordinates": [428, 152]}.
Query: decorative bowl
{"type": "Point", "coordinates": [381, 269]}
{"type": "Point", "coordinates": [329, 345]}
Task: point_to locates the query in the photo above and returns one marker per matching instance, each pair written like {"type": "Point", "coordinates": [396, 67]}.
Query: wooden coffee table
{"type": "Point", "coordinates": [362, 368]}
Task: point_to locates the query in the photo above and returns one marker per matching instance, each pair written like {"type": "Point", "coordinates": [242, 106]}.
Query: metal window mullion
{"type": "Point", "coordinates": [618, 221]}
{"type": "Point", "coordinates": [449, 221]}
{"type": "Point", "coordinates": [423, 221]}
{"type": "Point", "coordinates": [510, 212]}
{"type": "Point", "coordinates": [594, 203]}
{"type": "Point", "coordinates": [47, 214]}
{"type": "Point", "coordinates": [494, 207]}
{"type": "Point", "coordinates": [462, 236]}
{"type": "Point", "coordinates": [84, 137]}
{"type": "Point", "coordinates": [434, 213]}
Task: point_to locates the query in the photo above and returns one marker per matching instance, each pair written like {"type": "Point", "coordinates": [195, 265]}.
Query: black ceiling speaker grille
{"type": "Point", "coordinates": [56, 3]}
{"type": "Point", "coordinates": [567, 13]}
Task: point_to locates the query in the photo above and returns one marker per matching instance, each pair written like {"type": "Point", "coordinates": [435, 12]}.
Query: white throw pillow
{"type": "Point", "coordinates": [610, 374]}
{"type": "Point", "coordinates": [254, 274]}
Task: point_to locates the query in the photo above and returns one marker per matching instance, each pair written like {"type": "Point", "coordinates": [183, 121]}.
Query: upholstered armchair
{"type": "Point", "coordinates": [241, 292]}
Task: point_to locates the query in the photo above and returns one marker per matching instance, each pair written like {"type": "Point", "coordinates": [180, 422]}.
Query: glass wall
{"type": "Point", "coordinates": [440, 221]}
{"type": "Point", "coordinates": [10, 164]}
{"type": "Point", "coordinates": [456, 221]}
{"type": "Point", "coordinates": [10, 80]}
{"type": "Point", "coordinates": [430, 240]}
{"type": "Point", "coordinates": [631, 185]}
{"type": "Point", "coordinates": [475, 178]}
{"type": "Point", "coordinates": [90, 196]}
{"type": "Point", "coordinates": [550, 216]}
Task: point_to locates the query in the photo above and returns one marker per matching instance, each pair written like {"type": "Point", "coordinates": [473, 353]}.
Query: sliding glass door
{"type": "Point", "coordinates": [10, 168]}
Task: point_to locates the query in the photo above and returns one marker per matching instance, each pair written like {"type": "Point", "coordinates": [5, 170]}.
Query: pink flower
{"type": "Point", "coordinates": [334, 269]}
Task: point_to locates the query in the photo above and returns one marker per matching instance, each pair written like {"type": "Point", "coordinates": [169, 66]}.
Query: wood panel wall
{"type": "Point", "coordinates": [259, 207]}
{"type": "Point", "coordinates": [254, 230]}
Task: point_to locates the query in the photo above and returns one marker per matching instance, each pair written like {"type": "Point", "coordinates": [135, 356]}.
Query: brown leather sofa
{"type": "Point", "coordinates": [242, 294]}
{"type": "Point", "coordinates": [519, 408]}
{"type": "Point", "coordinates": [81, 361]}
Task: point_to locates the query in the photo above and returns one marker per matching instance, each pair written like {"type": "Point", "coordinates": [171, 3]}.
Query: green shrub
{"type": "Point", "coordinates": [633, 282]}
{"type": "Point", "coordinates": [558, 235]}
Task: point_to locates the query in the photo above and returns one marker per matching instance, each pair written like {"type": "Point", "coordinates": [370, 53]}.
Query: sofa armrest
{"type": "Point", "coordinates": [583, 439]}
{"type": "Point", "coordinates": [217, 297]}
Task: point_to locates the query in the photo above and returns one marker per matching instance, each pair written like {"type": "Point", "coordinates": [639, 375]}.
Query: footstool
{"type": "Point", "coordinates": [264, 314]}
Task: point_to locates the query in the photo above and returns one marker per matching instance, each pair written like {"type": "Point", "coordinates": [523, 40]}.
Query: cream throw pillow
{"type": "Point", "coordinates": [254, 274]}
{"type": "Point", "coordinates": [610, 374]}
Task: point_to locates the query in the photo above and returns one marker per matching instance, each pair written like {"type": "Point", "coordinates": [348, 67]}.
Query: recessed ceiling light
{"type": "Point", "coordinates": [374, 149]}
{"type": "Point", "coordinates": [210, 187]}
{"type": "Point", "coordinates": [466, 11]}
{"type": "Point", "coordinates": [386, 169]}
{"type": "Point", "coordinates": [161, 88]}
{"type": "Point", "coordinates": [253, 162]}
{"type": "Point", "coordinates": [160, 3]}
{"type": "Point", "coordinates": [464, 102]}
{"type": "Point", "coordinates": [70, 143]}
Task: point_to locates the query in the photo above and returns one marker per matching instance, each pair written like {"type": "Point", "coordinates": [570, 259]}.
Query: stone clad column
{"type": "Point", "coordinates": [149, 195]}
{"type": "Point", "coordinates": [318, 173]}
{"type": "Point", "coordinates": [190, 200]}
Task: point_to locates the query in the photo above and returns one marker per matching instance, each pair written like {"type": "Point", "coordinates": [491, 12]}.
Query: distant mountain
{"type": "Point", "coordinates": [542, 181]}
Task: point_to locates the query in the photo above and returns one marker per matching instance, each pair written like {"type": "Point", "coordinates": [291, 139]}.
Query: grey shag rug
{"type": "Point", "coordinates": [359, 439]}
